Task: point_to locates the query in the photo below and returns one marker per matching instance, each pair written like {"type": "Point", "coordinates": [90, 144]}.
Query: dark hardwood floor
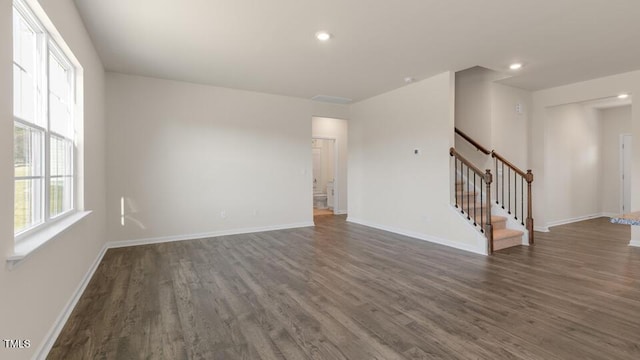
{"type": "Point", "coordinates": [345, 291]}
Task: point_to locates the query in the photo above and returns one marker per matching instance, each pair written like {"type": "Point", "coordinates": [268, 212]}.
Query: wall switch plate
{"type": "Point", "coordinates": [519, 109]}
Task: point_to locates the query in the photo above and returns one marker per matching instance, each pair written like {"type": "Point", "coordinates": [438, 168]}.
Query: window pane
{"type": "Point", "coordinates": [58, 78]}
{"type": "Point", "coordinates": [60, 117]}
{"type": "Point", "coordinates": [60, 195]}
{"type": "Point", "coordinates": [17, 91]}
{"type": "Point", "coordinates": [27, 151]}
{"type": "Point", "coordinates": [24, 69]}
{"type": "Point", "coordinates": [28, 204]}
{"type": "Point", "coordinates": [56, 196]}
{"type": "Point", "coordinates": [24, 43]}
{"type": "Point", "coordinates": [68, 193]}
{"type": "Point", "coordinates": [61, 156]}
{"type": "Point", "coordinates": [27, 98]}
{"type": "Point", "coordinates": [59, 98]}
{"type": "Point", "coordinates": [24, 95]}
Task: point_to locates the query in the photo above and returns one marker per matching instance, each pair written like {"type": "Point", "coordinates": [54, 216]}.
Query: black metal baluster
{"type": "Point", "coordinates": [464, 183]}
{"type": "Point", "coordinates": [461, 187]}
{"type": "Point", "coordinates": [515, 194]}
{"type": "Point", "coordinates": [522, 195]}
{"type": "Point", "coordinates": [502, 184]}
{"type": "Point", "coordinates": [468, 204]}
{"type": "Point", "coordinates": [497, 181]}
{"type": "Point", "coordinates": [509, 188]}
{"type": "Point", "coordinates": [474, 200]}
{"type": "Point", "coordinates": [455, 176]}
{"type": "Point", "coordinates": [482, 205]}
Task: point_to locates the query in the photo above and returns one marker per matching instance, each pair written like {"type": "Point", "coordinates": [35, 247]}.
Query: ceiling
{"type": "Point", "coordinates": [269, 46]}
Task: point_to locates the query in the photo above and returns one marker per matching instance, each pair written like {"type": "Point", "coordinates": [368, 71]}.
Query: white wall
{"type": "Point", "coordinates": [336, 129]}
{"type": "Point", "coordinates": [583, 91]}
{"type": "Point", "coordinates": [613, 123]}
{"type": "Point", "coordinates": [509, 128]}
{"type": "Point", "coordinates": [572, 163]}
{"type": "Point", "coordinates": [473, 103]}
{"type": "Point", "coordinates": [181, 154]}
{"type": "Point", "coordinates": [389, 186]}
{"type": "Point", "coordinates": [35, 293]}
{"type": "Point", "coordinates": [486, 111]}
{"type": "Point", "coordinates": [473, 112]}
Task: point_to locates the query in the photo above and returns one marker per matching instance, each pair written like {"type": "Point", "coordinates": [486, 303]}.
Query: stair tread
{"type": "Point", "coordinates": [506, 233]}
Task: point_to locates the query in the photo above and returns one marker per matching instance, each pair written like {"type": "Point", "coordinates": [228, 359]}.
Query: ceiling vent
{"type": "Point", "coordinates": [332, 99]}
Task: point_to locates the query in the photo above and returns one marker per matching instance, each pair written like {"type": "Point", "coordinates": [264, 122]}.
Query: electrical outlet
{"type": "Point", "coordinates": [223, 214]}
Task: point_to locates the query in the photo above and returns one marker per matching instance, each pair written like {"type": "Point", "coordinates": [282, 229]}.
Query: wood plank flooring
{"type": "Point", "coordinates": [345, 291]}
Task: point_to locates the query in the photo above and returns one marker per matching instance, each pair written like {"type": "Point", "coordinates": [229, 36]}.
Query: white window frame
{"type": "Point", "coordinates": [46, 45]}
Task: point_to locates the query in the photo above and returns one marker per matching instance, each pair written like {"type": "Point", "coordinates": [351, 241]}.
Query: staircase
{"type": "Point", "coordinates": [503, 237]}
{"type": "Point", "coordinates": [501, 217]}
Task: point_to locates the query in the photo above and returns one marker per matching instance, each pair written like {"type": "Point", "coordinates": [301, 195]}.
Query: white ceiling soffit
{"type": "Point", "coordinates": [607, 103]}
{"type": "Point", "coordinates": [332, 99]}
{"type": "Point", "coordinates": [270, 46]}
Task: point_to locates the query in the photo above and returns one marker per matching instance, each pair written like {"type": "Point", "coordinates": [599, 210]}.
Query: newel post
{"type": "Point", "coordinates": [529, 179]}
{"type": "Point", "coordinates": [488, 228]}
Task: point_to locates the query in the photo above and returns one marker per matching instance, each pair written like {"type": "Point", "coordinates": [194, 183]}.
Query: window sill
{"type": "Point", "coordinates": [33, 243]}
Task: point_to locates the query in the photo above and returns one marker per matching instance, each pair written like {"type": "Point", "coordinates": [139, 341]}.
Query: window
{"type": "Point", "coordinates": [44, 149]}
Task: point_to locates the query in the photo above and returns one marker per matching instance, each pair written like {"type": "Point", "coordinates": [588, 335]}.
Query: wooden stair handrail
{"type": "Point", "coordinates": [525, 175]}
{"type": "Point", "coordinates": [481, 173]}
{"type": "Point", "coordinates": [528, 177]}
{"type": "Point", "coordinates": [487, 177]}
{"type": "Point", "coordinates": [472, 142]}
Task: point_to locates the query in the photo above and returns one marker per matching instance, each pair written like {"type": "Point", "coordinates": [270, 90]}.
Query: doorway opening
{"type": "Point", "coordinates": [325, 168]}
{"type": "Point", "coordinates": [588, 160]}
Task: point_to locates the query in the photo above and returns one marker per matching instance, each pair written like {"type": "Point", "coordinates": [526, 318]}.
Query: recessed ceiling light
{"type": "Point", "coordinates": [409, 80]}
{"type": "Point", "coordinates": [515, 66]}
{"type": "Point", "coordinates": [623, 96]}
{"type": "Point", "coordinates": [323, 36]}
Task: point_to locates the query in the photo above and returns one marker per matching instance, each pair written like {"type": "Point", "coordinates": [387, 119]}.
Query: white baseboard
{"type": "Point", "coordinates": [163, 239]}
{"type": "Point", "coordinates": [339, 212]}
{"type": "Point", "coordinates": [55, 330]}
{"type": "Point", "coordinates": [576, 219]}
{"type": "Point", "coordinates": [541, 228]}
{"type": "Point", "coordinates": [609, 214]}
{"type": "Point", "coordinates": [433, 239]}
{"type": "Point", "coordinates": [635, 243]}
